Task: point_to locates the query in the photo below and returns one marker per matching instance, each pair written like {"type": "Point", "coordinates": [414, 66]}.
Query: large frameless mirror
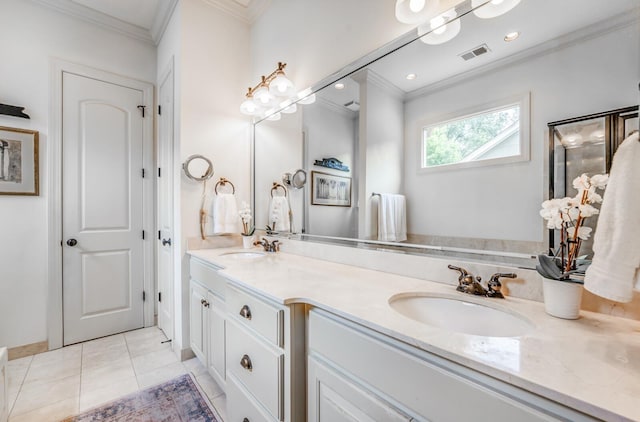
{"type": "Point", "coordinates": [572, 58]}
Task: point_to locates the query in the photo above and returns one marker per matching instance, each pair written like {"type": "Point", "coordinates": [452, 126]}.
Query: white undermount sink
{"type": "Point", "coordinates": [459, 315]}
{"type": "Point", "coordinates": [243, 254]}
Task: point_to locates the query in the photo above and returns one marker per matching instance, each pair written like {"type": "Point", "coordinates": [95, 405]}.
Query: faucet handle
{"type": "Point", "coordinates": [494, 286]}
{"type": "Point", "coordinates": [463, 272]}
{"type": "Point", "coordinates": [496, 276]}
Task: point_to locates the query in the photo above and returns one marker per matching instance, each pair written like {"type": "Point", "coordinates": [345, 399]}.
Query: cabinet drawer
{"type": "Point", "coordinates": [265, 319]}
{"type": "Point", "coordinates": [258, 366]}
{"type": "Point", "coordinates": [425, 387]}
{"type": "Point", "coordinates": [241, 407]}
{"type": "Point", "coordinates": [208, 277]}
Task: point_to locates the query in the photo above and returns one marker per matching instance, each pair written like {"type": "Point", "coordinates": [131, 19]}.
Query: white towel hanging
{"type": "Point", "coordinates": [392, 218]}
{"type": "Point", "coordinates": [225, 214]}
{"type": "Point", "coordinates": [615, 269]}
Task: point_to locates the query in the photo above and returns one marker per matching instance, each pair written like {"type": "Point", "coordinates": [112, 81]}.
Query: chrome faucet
{"type": "Point", "coordinates": [273, 246]}
{"type": "Point", "coordinates": [470, 285]}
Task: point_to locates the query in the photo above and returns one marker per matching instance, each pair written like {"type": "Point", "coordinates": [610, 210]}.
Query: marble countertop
{"type": "Point", "coordinates": [591, 364]}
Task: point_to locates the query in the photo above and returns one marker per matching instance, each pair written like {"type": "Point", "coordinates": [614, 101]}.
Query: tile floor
{"type": "Point", "coordinates": [53, 385]}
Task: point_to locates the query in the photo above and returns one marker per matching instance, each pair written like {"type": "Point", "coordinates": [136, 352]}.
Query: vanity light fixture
{"type": "Point", "coordinates": [440, 29]}
{"type": "Point", "coordinates": [415, 11]}
{"type": "Point", "coordinates": [306, 97]}
{"type": "Point", "coordinates": [339, 85]}
{"type": "Point", "coordinates": [511, 36]}
{"type": "Point", "coordinates": [272, 93]}
{"type": "Point", "coordinates": [411, 76]}
{"type": "Point", "coordinates": [492, 9]}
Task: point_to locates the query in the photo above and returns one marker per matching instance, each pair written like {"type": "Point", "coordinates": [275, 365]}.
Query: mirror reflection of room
{"type": "Point", "coordinates": [458, 127]}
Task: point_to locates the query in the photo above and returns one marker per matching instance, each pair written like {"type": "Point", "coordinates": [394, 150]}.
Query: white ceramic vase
{"type": "Point", "coordinates": [562, 298]}
{"type": "Point", "coordinates": [247, 241]}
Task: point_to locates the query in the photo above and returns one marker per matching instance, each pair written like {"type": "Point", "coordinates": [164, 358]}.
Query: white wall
{"type": "Point", "coordinates": [213, 62]}
{"type": "Point", "coordinates": [331, 133]}
{"type": "Point", "coordinates": [32, 36]}
{"type": "Point", "coordinates": [503, 201]}
{"type": "Point", "coordinates": [381, 147]}
{"type": "Point", "coordinates": [318, 38]}
{"type": "Point", "coordinates": [279, 148]}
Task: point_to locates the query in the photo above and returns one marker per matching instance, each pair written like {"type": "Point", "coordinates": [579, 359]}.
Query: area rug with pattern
{"type": "Point", "coordinates": [175, 400]}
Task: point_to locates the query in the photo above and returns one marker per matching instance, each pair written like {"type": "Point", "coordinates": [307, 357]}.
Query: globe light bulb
{"type": "Point", "coordinates": [416, 5]}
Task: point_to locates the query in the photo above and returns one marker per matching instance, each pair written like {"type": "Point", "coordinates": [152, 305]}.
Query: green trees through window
{"type": "Point", "coordinates": [491, 134]}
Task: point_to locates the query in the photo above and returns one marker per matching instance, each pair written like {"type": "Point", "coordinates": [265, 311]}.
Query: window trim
{"type": "Point", "coordinates": [523, 100]}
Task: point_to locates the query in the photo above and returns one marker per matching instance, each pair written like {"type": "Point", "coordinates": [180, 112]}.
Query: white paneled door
{"type": "Point", "coordinates": [165, 266]}
{"type": "Point", "coordinates": [102, 206]}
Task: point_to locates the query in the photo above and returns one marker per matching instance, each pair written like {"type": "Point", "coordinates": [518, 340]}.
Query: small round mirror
{"type": "Point", "coordinates": [295, 180]}
{"type": "Point", "coordinates": [298, 179]}
{"type": "Point", "coordinates": [198, 167]}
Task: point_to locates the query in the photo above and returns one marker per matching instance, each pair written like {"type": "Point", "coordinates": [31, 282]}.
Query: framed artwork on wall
{"type": "Point", "coordinates": [19, 173]}
{"type": "Point", "coordinates": [329, 189]}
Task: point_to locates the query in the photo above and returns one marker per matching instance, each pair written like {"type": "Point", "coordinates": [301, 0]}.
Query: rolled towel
{"type": "Point", "coordinates": [615, 269]}
{"type": "Point", "coordinates": [225, 214]}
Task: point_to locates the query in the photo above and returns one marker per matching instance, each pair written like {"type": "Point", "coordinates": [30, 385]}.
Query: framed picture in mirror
{"type": "Point", "coordinates": [19, 162]}
{"type": "Point", "coordinates": [329, 189]}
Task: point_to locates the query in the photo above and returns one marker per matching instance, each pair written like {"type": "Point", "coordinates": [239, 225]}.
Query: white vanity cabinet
{"type": "Point", "coordinates": [208, 318]}
{"type": "Point", "coordinates": [265, 359]}
{"type": "Point", "coordinates": [356, 374]}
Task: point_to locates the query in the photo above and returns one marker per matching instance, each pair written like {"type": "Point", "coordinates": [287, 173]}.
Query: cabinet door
{"type": "Point", "coordinates": [197, 321]}
{"type": "Point", "coordinates": [216, 343]}
{"type": "Point", "coordinates": [333, 397]}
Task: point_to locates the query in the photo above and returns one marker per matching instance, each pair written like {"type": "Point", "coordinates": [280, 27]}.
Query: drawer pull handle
{"type": "Point", "coordinates": [202, 301]}
{"type": "Point", "coordinates": [206, 304]}
{"type": "Point", "coordinates": [245, 420]}
{"type": "Point", "coordinates": [245, 312]}
{"type": "Point", "coordinates": [245, 362]}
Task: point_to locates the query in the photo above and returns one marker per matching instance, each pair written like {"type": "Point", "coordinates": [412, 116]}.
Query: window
{"type": "Point", "coordinates": [491, 134]}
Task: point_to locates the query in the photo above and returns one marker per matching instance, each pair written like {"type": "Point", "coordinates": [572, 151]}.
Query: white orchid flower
{"type": "Point", "coordinates": [574, 213]}
{"type": "Point", "coordinates": [599, 180]}
{"type": "Point", "coordinates": [583, 232]}
{"type": "Point", "coordinates": [594, 198]}
{"type": "Point", "coordinates": [582, 182]}
{"type": "Point", "coordinates": [588, 210]}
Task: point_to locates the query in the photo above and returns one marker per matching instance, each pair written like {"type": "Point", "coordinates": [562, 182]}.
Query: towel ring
{"type": "Point", "coordinates": [223, 182]}
{"type": "Point", "coordinates": [275, 188]}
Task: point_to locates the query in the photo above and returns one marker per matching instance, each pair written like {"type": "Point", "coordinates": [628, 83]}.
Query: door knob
{"type": "Point", "coordinates": [72, 242]}
{"type": "Point", "coordinates": [166, 242]}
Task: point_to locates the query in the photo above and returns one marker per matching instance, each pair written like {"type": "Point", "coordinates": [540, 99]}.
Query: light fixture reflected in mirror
{"type": "Point", "coordinates": [273, 92]}
{"type": "Point", "coordinates": [415, 11]}
{"type": "Point", "coordinates": [440, 29]}
{"type": "Point", "coordinates": [492, 9]}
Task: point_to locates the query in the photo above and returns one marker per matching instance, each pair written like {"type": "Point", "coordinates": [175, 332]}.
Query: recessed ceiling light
{"type": "Point", "coordinates": [511, 36]}
{"type": "Point", "coordinates": [411, 76]}
{"type": "Point", "coordinates": [339, 85]}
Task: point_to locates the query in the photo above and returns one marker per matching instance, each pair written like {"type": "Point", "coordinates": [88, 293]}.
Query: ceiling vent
{"type": "Point", "coordinates": [475, 52]}
{"type": "Point", "coordinates": [353, 105]}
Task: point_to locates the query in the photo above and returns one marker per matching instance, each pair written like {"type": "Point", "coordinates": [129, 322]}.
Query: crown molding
{"type": "Point", "coordinates": [256, 9]}
{"type": "Point", "coordinates": [86, 14]}
{"type": "Point", "coordinates": [613, 24]}
{"type": "Point", "coordinates": [368, 76]}
{"type": "Point", "coordinates": [247, 14]}
{"type": "Point", "coordinates": [161, 19]}
{"type": "Point", "coordinates": [336, 108]}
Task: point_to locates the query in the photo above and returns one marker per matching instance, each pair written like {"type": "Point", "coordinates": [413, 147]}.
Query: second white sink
{"type": "Point", "coordinates": [456, 314]}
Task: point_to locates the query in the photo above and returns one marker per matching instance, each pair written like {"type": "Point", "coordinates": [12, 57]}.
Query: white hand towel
{"type": "Point", "coordinates": [392, 218]}
{"type": "Point", "coordinates": [614, 271]}
{"type": "Point", "coordinates": [225, 214]}
{"type": "Point", "coordinates": [279, 212]}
